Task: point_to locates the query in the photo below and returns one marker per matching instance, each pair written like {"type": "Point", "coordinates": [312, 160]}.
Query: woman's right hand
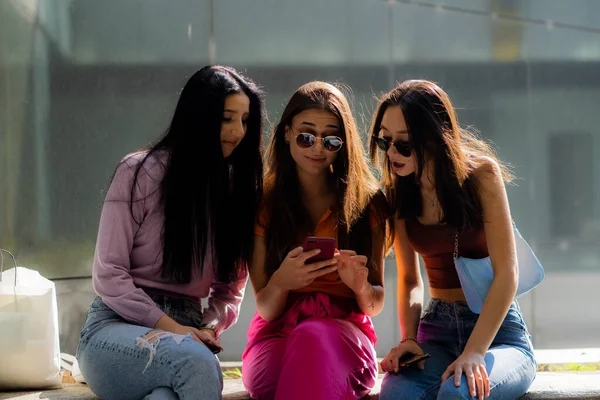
{"type": "Point", "coordinates": [390, 362]}
{"type": "Point", "coordinates": [295, 274]}
{"type": "Point", "coordinates": [203, 336]}
{"type": "Point", "coordinates": [168, 324]}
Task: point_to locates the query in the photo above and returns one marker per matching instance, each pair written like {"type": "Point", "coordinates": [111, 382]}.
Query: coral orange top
{"type": "Point", "coordinates": [327, 227]}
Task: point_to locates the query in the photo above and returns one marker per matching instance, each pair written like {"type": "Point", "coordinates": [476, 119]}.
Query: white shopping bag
{"type": "Point", "coordinates": [29, 343]}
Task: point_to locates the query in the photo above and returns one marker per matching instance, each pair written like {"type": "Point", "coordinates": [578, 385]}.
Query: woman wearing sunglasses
{"type": "Point", "coordinates": [312, 336]}
{"type": "Point", "coordinates": [176, 227]}
{"type": "Point", "coordinates": [444, 183]}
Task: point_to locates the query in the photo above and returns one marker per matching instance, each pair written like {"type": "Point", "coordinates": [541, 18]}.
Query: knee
{"type": "Point", "coordinates": [259, 388]}
{"type": "Point", "coordinates": [162, 393]}
{"type": "Point", "coordinates": [195, 361]}
{"type": "Point", "coordinates": [389, 390]}
{"type": "Point", "coordinates": [260, 379]}
{"type": "Point", "coordinates": [206, 364]}
{"type": "Point", "coordinates": [310, 335]}
{"type": "Point", "coordinates": [397, 387]}
{"type": "Point", "coordinates": [262, 367]}
{"type": "Point", "coordinates": [448, 390]}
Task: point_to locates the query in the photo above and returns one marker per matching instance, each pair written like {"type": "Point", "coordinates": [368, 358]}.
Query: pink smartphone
{"type": "Point", "coordinates": [327, 246]}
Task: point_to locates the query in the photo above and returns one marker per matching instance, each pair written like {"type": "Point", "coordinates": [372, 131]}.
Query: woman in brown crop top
{"type": "Point", "coordinates": [441, 179]}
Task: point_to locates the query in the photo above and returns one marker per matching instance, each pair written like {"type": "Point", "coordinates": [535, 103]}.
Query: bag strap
{"type": "Point", "coordinates": [2, 263]}
{"type": "Point", "coordinates": [455, 254]}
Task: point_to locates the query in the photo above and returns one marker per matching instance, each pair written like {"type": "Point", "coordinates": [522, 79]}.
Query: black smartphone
{"type": "Point", "coordinates": [410, 359]}
{"type": "Point", "coordinates": [214, 349]}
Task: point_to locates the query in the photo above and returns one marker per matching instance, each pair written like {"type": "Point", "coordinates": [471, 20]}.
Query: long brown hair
{"type": "Point", "coordinates": [352, 179]}
{"type": "Point", "coordinates": [434, 133]}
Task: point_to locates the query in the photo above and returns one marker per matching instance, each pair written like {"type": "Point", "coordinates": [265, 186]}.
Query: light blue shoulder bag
{"type": "Point", "coordinates": [476, 275]}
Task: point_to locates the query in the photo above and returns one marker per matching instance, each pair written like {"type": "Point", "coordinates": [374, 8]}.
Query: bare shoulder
{"type": "Point", "coordinates": [486, 169]}
{"type": "Point", "coordinates": [487, 175]}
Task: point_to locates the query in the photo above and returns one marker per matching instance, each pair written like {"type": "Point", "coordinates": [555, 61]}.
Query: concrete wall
{"type": "Point", "coordinates": [82, 83]}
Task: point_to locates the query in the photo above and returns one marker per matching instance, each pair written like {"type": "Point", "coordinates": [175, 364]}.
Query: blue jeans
{"type": "Point", "coordinates": [443, 332]}
{"type": "Point", "coordinates": [123, 361]}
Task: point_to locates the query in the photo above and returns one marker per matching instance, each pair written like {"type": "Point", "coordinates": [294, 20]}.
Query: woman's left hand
{"type": "Point", "coordinates": [473, 366]}
{"type": "Point", "coordinates": [353, 270]}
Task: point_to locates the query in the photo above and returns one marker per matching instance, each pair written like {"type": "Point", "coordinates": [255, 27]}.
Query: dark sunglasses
{"type": "Point", "coordinates": [330, 143]}
{"type": "Point", "coordinates": [402, 147]}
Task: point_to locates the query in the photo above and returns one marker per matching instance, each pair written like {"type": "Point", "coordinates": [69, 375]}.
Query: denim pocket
{"type": "Point", "coordinates": [98, 306]}
{"type": "Point", "coordinates": [97, 313]}
{"type": "Point", "coordinates": [514, 321]}
{"type": "Point", "coordinates": [427, 312]}
{"type": "Point", "coordinates": [513, 331]}
{"type": "Point", "coordinates": [426, 315]}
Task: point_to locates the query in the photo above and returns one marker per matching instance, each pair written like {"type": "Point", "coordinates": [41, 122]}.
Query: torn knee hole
{"type": "Point", "coordinates": [151, 340]}
{"type": "Point", "coordinates": [153, 336]}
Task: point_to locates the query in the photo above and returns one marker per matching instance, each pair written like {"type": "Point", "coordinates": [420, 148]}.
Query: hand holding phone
{"type": "Point", "coordinates": [296, 273]}
{"type": "Point", "coordinates": [214, 349]}
{"type": "Point", "coordinates": [410, 360]}
{"type": "Point", "coordinates": [207, 336]}
{"type": "Point", "coordinates": [326, 245]}
{"type": "Point", "coordinates": [405, 351]}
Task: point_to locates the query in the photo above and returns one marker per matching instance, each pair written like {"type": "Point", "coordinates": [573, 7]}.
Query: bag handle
{"type": "Point", "coordinates": [2, 264]}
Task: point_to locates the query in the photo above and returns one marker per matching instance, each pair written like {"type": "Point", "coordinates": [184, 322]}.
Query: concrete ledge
{"type": "Point", "coordinates": [547, 386]}
{"type": "Point", "coordinates": [68, 392]}
{"type": "Point", "coordinates": [234, 390]}
{"type": "Point", "coordinates": [565, 385]}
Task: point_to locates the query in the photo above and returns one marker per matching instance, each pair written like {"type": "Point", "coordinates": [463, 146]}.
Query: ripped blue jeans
{"type": "Point", "coordinates": [123, 361]}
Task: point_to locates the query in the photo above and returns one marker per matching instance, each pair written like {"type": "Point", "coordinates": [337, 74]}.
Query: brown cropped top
{"type": "Point", "coordinates": [435, 244]}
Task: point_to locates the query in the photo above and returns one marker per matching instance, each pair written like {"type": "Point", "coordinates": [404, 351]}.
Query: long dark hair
{"type": "Point", "coordinates": [434, 133]}
{"type": "Point", "coordinates": [354, 184]}
{"type": "Point", "coordinates": [208, 200]}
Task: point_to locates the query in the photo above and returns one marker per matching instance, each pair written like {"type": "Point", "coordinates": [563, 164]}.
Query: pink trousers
{"type": "Point", "coordinates": [321, 348]}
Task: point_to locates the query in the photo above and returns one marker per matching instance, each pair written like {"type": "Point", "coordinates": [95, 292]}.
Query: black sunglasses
{"type": "Point", "coordinates": [330, 143]}
{"type": "Point", "coordinates": [402, 147]}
